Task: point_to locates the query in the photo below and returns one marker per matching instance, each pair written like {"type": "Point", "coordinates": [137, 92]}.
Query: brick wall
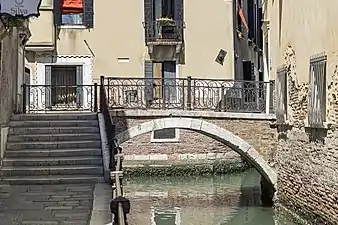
{"type": "Point", "coordinates": [256, 132]}
{"type": "Point", "coordinates": [307, 158]}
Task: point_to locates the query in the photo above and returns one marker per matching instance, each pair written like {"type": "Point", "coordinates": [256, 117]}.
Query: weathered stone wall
{"type": "Point", "coordinates": [258, 133]}
{"type": "Point", "coordinates": [307, 158]}
{"type": "Point", "coordinates": [8, 82]}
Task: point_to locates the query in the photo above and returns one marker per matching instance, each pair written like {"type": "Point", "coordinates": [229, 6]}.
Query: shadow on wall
{"type": "Point", "coordinates": [120, 123]}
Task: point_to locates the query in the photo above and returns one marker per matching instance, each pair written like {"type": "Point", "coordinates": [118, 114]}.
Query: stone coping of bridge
{"type": "Point", "coordinates": [191, 114]}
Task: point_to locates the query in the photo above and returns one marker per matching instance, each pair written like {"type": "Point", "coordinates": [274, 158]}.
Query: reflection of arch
{"type": "Point", "coordinates": [210, 130]}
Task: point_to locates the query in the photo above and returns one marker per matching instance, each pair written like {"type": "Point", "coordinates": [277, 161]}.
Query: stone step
{"type": "Point", "coordinates": [54, 116]}
{"type": "Point", "coordinates": [53, 179]}
{"type": "Point", "coordinates": [53, 145]}
{"type": "Point", "coordinates": [54, 137]}
{"type": "Point", "coordinates": [53, 161]}
{"type": "Point", "coordinates": [55, 123]}
{"type": "Point", "coordinates": [51, 170]}
{"type": "Point", "coordinates": [54, 130]}
{"type": "Point", "coordinates": [53, 153]}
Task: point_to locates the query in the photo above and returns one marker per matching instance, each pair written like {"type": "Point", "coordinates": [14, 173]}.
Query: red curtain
{"type": "Point", "coordinates": [72, 6]}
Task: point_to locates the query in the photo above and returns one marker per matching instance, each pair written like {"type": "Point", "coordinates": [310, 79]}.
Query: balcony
{"type": "Point", "coordinates": [164, 38]}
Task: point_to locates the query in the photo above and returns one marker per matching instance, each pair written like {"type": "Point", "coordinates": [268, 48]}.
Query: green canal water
{"type": "Point", "coordinates": [232, 199]}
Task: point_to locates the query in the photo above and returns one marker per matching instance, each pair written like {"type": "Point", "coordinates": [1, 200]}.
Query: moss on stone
{"type": "Point", "coordinates": [184, 169]}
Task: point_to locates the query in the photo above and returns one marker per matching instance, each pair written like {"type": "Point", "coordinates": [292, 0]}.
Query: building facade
{"type": "Point", "coordinates": [303, 57]}
{"type": "Point", "coordinates": [176, 38]}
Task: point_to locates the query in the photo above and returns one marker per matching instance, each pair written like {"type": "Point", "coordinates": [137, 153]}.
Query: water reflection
{"type": "Point", "coordinates": [221, 200]}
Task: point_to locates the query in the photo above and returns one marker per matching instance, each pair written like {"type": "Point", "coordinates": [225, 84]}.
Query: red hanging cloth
{"type": "Point", "coordinates": [72, 6]}
{"type": "Point", "coordinates": [241, 15]}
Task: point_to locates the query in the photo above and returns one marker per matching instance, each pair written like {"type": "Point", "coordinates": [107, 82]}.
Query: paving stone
{"type": "Point", "coordinates": [46, 205]}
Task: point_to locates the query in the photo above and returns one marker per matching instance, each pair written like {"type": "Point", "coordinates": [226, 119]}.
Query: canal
{"type": "Point", "coordinates": [232, 199]}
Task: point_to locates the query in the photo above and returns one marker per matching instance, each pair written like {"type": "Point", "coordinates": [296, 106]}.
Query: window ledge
{"type": "Point", "coordinates": [325, 126]}
{"type": "Point", "coordinates": [73, 27]}
{"type": "Point", "coordinates": [176, 140]}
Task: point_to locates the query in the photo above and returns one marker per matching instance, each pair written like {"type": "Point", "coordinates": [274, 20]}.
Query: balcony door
{"type": "Point", "coordinates": [164, 14]}
{"type": "Point", "coordinates": [161, 89]}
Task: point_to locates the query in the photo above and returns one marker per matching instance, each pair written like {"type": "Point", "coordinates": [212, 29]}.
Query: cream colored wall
{"type": "Point", "coordinates": [209, 27]}
{"type": "Point", "coordinates": [308, 28]}
{"type": "Point", "coordinates": [118, 32]}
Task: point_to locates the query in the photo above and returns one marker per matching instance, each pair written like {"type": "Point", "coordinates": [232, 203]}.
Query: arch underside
{"type": "Point", "coordinates": [211, 130]}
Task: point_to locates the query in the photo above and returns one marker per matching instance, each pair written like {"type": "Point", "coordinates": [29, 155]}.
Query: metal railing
{"type": "Point", "coordinates": [38, 98]}
{"type": "Point", "coordinates": [189, 94]}
{"type": "Point", "coordinates": [119, 205]}
{"type": "Point", "coordinates": [164, 31]}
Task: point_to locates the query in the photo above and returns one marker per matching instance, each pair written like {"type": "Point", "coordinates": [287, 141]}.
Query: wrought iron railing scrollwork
{"type": "Point", "coordinates": [189, 94]}
{"type": "Point", "coordinates": [119, 205]}
{"type": "Point", "coordinates": [164, 31]}
{"type": "Point", "coordinates": [37, 98]}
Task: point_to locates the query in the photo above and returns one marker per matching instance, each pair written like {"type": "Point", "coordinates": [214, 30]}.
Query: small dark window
{"type": "Point", "coordinates": [168, 133]}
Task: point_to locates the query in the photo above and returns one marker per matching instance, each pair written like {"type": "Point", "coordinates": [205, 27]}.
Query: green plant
{"type": "Point", "coordinates": [16, 22]}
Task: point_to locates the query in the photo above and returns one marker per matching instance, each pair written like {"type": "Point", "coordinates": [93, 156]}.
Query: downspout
{"type": "Point", "coordinates": [234, 22]}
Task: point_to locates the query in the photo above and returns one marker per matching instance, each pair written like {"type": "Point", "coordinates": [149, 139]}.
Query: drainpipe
{"type": "Point", "coordinates": [265, 29]}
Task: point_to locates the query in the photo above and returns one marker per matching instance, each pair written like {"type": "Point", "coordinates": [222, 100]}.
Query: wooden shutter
{"type": "Point", "coordinates": [179, 10]}
{"type": "Point", "coordinates": [251, 20]}
{"type": "Point", "coordinates": [48, 87]}
{"type": "Point", "coordinates": [57, 12]}
{"type": "Point", "coordinates": [169, 80]}
{"type": "Point", "coordinates": [149, 81]}
{"type": "Point", "coordinates": [89, 13]}
{"type": "Point", "coordinates": [148, 18]}
{"type": "Point", "coordinates": [179, 17]}
{"type": "Point", "coordinates": [79, 83]}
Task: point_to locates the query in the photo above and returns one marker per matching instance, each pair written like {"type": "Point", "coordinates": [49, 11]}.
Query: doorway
{"type": "Point", "coordinates": [165, 81]}
{"type": "Point", "coordinates": [65, 86]}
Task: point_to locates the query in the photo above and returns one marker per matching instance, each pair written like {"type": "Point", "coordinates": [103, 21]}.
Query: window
{"type": "Point", "coordinates": [165, 135]}
{"type": "Point", "coordinates": [317, 91]}
{"type": "Point", "coordinates": [164, 9]}
{"type": "Point", "coordinates": [165, 216]}
{"type": "Point", "coordinates": [76, 12]}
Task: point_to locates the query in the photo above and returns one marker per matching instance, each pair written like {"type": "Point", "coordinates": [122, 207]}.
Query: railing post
{"type": "Point", "coordinates": [222, 98]}
{"type": "Point", "coordinates": [95, 97]}
{"type": "Point", "coordinates": [24, 98]}
{"type": "Point", "coordinates": [189, 94]}
{"type": "Point", "coordinates": [101, 92]}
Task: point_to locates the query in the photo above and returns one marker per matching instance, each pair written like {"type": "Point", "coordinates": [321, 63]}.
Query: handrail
{"type": "Point", "coordinates": [110, 127]}
{"type": "Point", "coordinates": [119, 205]}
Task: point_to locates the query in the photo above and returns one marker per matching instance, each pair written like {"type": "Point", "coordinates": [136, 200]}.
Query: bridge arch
{"type": "Point", "coordinates": [211, 130]}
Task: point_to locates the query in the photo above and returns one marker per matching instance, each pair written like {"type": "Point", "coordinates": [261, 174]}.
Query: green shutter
{"type": "Point", "coordinates": [179, 8]}
{"type": "Point", "coordinates": [89, 13]}
{"type": "Point", "coordinates": [57, 12]}
{"type": "Point", "coordinates": [149, 81]}
{"type": "Point", "coordinates": [169, 80]}
{"type": "Point", "coordinates": [148, 18]}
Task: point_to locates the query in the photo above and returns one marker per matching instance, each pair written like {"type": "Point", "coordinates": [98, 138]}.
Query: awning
{"type": "Point", "coordinates": [72, 6]}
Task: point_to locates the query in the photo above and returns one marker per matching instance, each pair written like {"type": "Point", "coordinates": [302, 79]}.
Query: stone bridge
{"type": "Point", "coordinates": [204, 132]}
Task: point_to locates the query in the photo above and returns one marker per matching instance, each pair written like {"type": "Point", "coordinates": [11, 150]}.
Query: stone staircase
{"type": "Point", "coordinates": [53, 149]}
